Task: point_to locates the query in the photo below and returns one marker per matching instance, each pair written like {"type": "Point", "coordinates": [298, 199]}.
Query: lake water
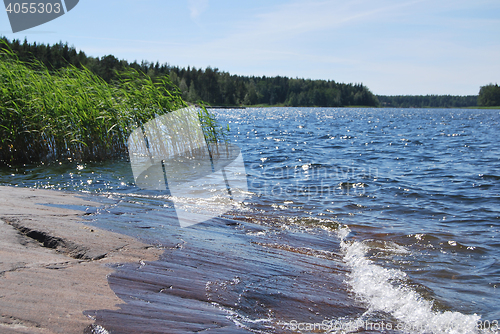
{"type": "Point", "coordinates": [356, 220]}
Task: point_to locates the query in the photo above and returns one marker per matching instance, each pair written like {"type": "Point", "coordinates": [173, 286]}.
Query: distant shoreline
{"type": "Point", "coordinates": [344, 107]}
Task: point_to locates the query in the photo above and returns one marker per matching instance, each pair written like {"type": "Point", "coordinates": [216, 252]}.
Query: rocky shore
{"type": "Point", "coordinates": [53, 267]}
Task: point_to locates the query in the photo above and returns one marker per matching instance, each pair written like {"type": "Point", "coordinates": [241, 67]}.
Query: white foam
{"type": "Point", "coordinates": [244, 322]}
{"type": "Point", "coordinates": [381, 290]}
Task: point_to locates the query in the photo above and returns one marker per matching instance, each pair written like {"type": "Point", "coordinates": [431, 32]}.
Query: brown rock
{"type": "Point", "coordinates": [52, 268]}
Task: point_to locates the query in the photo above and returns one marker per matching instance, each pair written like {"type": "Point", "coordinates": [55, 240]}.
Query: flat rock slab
{"type": "Point", "coordinates": [52, 267]}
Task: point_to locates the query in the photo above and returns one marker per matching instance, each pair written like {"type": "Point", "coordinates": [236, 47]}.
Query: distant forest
{"type": "Point", "coordinates": [489, 95]}
{"type": "Point", "coordinates": [209, 85]}
{"type": "Point", "coordinates": [223, 89]}
{"type": "Point", "coordinates": [428, 101]}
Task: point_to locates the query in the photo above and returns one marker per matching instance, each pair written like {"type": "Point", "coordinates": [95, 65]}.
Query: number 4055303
{"type": "Point", "coordinates": [33, 8]}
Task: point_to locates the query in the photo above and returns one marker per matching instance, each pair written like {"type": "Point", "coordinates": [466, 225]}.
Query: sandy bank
{"type": "Point", "coordinates": [52, 268]}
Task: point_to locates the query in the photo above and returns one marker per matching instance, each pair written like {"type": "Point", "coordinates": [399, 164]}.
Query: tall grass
{"type": "Point", "coordinates": [72, 114]}
{"type": "Point", "coordinates": [212, 130]}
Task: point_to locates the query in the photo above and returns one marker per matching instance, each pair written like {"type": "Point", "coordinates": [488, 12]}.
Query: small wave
{"type": "Point", "coordinates": [95, 329]}
{"type": "Point", "coordinates": [260, 326]}
{"type": "Point", "coordinates": [388, 247]}
{"type": "Point", "coordinates": [301, 250]}
{"type": "Point", "coordinates": [348, 185]}
{"type": "Point", "coordinates": [384, 290]}
{"type": "Point", "coordinates": [489, 177]}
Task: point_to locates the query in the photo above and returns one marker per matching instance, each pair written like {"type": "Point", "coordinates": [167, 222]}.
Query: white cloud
{"type": "Point", "coordinates": [392, 46]}
{"type": "Point", "coordinates": [411, 47]}
{"type": "Point", "coordinates": [273, 36]}
{"type": "Point", "coordinates": [306, 17]}
{"type": "Point", "coordinates": [197, 7]}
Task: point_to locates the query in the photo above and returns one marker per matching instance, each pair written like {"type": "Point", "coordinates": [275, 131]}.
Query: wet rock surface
{"type": "Point", "coordinates": [53, 267]}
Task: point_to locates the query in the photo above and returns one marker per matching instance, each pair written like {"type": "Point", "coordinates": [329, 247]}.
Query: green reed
{"type": "Point", "coordinates": [73, 114]}
{"type": "Point", "coordinates": [212, 130]}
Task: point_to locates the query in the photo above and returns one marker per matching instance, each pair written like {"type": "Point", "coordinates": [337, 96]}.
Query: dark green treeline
{"type": "Point", "coordinates": [221, 88]}
{"type": "Point", "coordinates": [428, 101]}
{"type": "Point", "coordinates": [489, 95]}
{"type": "Point", "coordinates": [210, 85]}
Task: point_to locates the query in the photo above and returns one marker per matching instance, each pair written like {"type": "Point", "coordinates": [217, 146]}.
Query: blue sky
{"type": "Point", "coordinates": [392, 46]}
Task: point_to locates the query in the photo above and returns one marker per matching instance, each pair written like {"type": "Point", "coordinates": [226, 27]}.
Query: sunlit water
{"type": "Point", "coordinates": [399, 208]}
